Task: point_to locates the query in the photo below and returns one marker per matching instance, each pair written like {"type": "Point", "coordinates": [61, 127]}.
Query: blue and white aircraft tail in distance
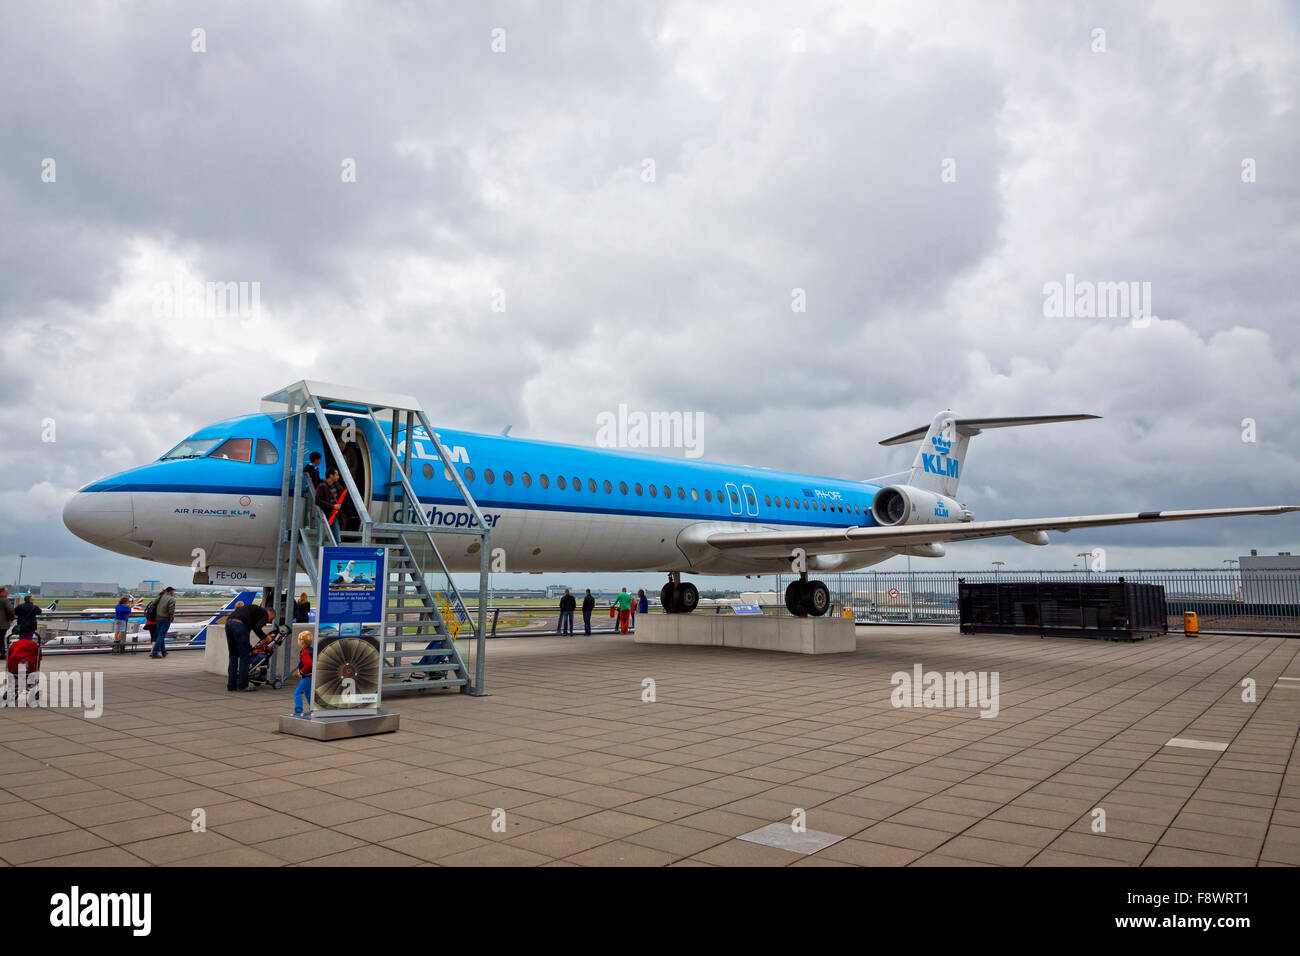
{"type": "Point", "coordinates": [563, 508]}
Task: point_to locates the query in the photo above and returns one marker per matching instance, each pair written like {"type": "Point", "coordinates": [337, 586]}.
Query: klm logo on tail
{"type": "Point", "coordinates": [942, 445]}
{"type": "Point", "coordinates": [940, 465]}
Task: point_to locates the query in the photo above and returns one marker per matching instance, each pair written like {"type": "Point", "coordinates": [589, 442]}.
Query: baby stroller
{"type": "Point", "coordinates": [259, 666]}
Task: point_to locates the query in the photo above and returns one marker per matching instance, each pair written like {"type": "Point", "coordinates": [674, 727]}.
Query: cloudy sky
{"type": "Point", "coordinates": [559, 207]}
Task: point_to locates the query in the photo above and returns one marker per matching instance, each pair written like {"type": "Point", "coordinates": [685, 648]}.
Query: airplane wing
{"type": "Point", "coordinates": [774, 544]}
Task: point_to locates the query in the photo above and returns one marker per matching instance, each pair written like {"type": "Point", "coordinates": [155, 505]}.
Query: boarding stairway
{"type": "Point", "coordinates": [426, 614]}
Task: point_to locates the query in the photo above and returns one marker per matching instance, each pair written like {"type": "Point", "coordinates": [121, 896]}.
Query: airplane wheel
{"type": "Point", "coordinates": [794, 598]}
{"type": "Point", "coordinates": [687, 597]}
{"type": "Point", "coordinates": [666, 599]}
{"type": "Point", "coordinates": [816, 598]}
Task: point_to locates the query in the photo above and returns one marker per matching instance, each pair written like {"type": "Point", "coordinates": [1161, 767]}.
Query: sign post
{"type": "Point", "coordinates": [347, 650]}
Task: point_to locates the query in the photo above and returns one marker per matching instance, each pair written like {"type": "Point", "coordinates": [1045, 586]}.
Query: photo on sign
{"type": "Point", "coordinates": [351, 575]}
{"type": "Point", "coordinates": [346, 672]}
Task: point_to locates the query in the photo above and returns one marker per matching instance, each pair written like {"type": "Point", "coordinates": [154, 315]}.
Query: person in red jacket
{"type": "Point", "coordinates": [302, 692]}
{"type": "Point", "coordinates": [22, 665]}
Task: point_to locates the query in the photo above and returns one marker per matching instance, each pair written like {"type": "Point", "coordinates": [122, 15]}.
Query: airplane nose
{"type": "Point", "coordinates": [100, 517]}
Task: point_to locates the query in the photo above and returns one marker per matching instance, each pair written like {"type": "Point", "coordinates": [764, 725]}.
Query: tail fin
{"type": "Point", "coordinates": [53, 605]}
{"type": "Point", "coordinates": [938, 462]}
{"type": "Point", "coordinates": [219, 619]}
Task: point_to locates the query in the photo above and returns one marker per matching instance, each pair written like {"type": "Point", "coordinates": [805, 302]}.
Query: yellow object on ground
{"type": "Point", "coordinates": [1191, 626]}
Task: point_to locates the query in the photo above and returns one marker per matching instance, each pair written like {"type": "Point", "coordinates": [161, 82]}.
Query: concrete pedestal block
{"type": "Point", "coordinates": [767, 632]}
{"type": "Point", "coordinates": [339, 727]}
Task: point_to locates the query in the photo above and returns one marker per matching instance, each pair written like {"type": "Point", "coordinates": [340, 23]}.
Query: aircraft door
{"type": "Point", "coordinates": [356, 459]}
{"type": "Point", "coordinates": [733, 499]}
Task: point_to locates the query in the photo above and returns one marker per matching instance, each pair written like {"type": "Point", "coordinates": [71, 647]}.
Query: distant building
{"type": "Point", "coordinates": [78, 588]}
{"type": "Point", "coordinates": [1270, 578]}
{"type": "Point", "coordinates": [527, 594]}
{"type": "Point", "coordinates": [557, 590]}
{"type": "Point", "coordinates": [148, 587]}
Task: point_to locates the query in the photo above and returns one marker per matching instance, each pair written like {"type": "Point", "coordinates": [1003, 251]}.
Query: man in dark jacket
{"type": "Point", "coordinates": [26, 614]}
{"type": "Point", "coordinates": [327, 495]}
{"type": "Point", "coordinates": [6, 620]}
{"type": "Point", "coordinates": [567, 604]}
{"type": "Point", "coordinates": [242, 620]}
{"type": "Point", "coordinates": [588, 605]}
{"type": "Point", "coordinates": [312, 468]}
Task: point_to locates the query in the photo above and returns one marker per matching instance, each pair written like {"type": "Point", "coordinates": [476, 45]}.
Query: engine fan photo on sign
{"type": "Point", "coordinates": [346, 652]}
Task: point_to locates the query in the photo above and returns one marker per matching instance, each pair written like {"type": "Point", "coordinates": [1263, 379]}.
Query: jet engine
{"type": "Point", "coordinates": [904, 504]}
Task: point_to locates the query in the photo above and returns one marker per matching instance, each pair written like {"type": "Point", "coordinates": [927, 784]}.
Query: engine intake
{"type": "Point", "coordinates": [903, 504]}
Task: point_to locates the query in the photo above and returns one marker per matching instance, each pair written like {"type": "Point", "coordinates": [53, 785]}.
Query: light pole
{"type": "Point", "coordinates": [1085, 555]}
{"type": "Point", "coordinates": [19, 585]}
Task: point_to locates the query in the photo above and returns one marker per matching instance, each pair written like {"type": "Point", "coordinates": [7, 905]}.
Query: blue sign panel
{"type": "Point", "coordinates": [746, 609]}
{"type": "Point", "coordinates": [353, 585]}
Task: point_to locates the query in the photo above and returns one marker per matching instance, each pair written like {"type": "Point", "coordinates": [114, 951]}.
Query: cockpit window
{"type": "Point", "coordinates": [235, 449]}
{"type": "Point", "coordinates": [266, 453]}
{"type": "Point", "coordinates": [191, 448]}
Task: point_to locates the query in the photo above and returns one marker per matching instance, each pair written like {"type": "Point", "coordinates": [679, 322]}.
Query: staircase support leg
{"type": "Point", "coordinates": [480, 640]}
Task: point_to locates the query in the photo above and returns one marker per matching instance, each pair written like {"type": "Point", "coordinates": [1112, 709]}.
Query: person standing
{"type": "Point", "coordinates": [163, 620]}
{"type": "Point", "coordinates": [312, 468]}
{"type": "Point", "coordinates": [567, 604]}
{"type": "Point", "coordinates": [588, 605]}
{"type": "Point", "coordinates": [302, 609]}
{"type": "Point", "coordinates": [642, 604]}
{"type": "Point", "coordinates": [121, 614]}
{"type": "Point", "coordinates": [624, 603]}
{"type": "Point", "coordinates": [242, 621]}
{"type": "Point", "coordinates": [302, 692]}
{"type": "Point", "coordinates": [26, 615]}
{"type": "Point", "coordinates": [327, 495]}
{"type": "Point", "coordinates": [6, 621]}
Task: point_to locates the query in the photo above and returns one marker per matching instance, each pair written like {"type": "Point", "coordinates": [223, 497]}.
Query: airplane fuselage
{"type": "Point", "coordinates": [549, 506]}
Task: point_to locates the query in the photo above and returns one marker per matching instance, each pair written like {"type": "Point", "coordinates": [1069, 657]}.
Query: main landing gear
{"type": "Point", "coordinates": [678, 596]}
{"type": "Point", "coordinates": [804, 598]}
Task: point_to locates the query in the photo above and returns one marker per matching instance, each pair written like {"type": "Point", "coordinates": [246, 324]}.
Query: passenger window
{"type": "Point", "coordinates": [488, 476]}
{"type": "Point", "coordinates": [591, 485]}
{"type": "Point", "coordinates": [787, 502]}
{"type": "Point", "coordinates": [638, 487]}
{"type": "Point", "coordinates": [235, 449]}
{"type": "Point", "coordinates": [508, 478]}
{"type": "Point", "coordinates": [767, 500]}
{"type": "Point", "coordinates": [577, 484]}
{"type": "Point", "coordinates": [622, 486]}
{"type": "Point", "coordinates": [427, 470]}
{"type": "Point", "coordinates": [609, 489]}
{"type": "Point", "coordinates": [559, 483]}
{"type": "Point", "coordinates": [469, 474]}
{"type": "Point", "coordinates": [266, 453]}
{"type": "Point", "coordinates": [695, 495]}
{"type": "Point", "coordinates": [544, 481]}
{"type": "Point", "coordinates": [735, 498]}
{"type": "Point", "coordinates": [654, 491]}
{"type": "Point", "coordinates": [526, 479]}
{"type": "Point", "coordinates": [708, 495]}
{"type": "Point", "coordinates": [681, 492]}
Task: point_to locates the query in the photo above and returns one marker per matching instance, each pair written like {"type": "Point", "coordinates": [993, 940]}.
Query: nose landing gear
{"type": "Point", "coordinates": [804, 598]}
{"type": "Point", "coordinates": [678, 596]}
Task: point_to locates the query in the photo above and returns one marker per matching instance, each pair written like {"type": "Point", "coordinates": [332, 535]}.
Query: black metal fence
{"type": "Point", "coordinates": [1224, 600]}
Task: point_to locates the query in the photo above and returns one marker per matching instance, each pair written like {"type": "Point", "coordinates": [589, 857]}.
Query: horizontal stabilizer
{"type": "Point", "coordinates": [973, 426]}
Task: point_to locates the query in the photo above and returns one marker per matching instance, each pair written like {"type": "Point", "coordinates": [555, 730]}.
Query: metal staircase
{"type": "Point", "coordinates": [426, 614]}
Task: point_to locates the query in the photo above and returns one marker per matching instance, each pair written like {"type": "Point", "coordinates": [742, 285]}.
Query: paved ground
{"type": "Point", "coordinates": [589, 774]}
